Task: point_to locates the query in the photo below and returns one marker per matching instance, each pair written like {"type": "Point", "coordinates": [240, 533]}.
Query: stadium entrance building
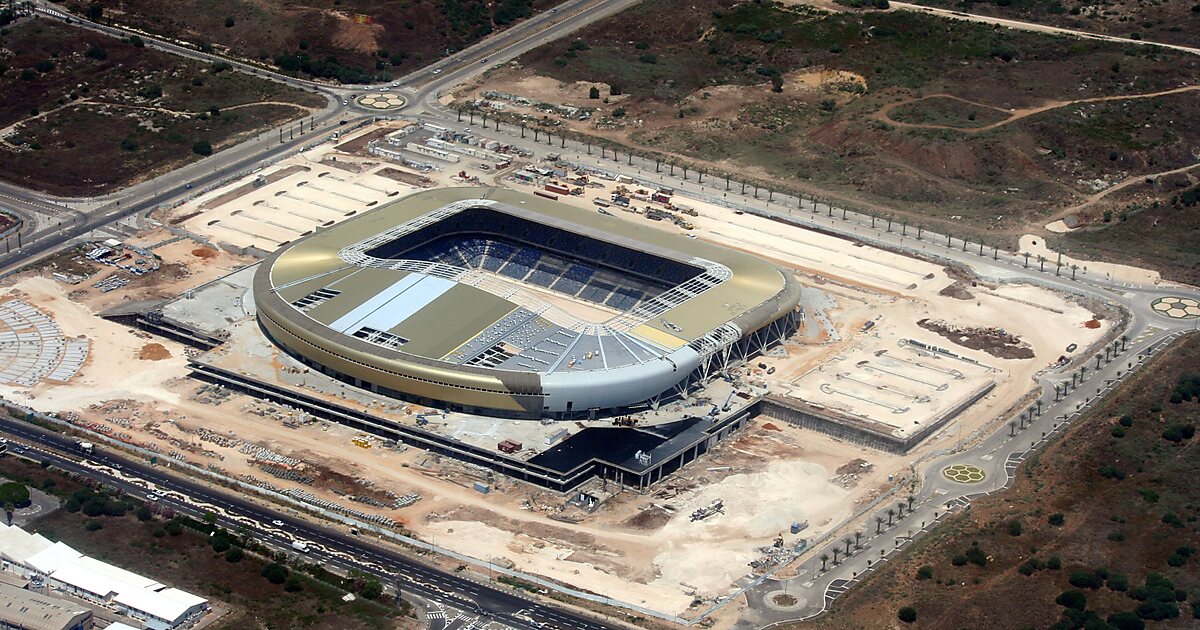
{"type": "Point", "coordinates": [495, 302]}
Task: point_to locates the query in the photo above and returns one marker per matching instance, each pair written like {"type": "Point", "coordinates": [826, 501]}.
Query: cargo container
{"type": "Point", "coordinates": [542, 193]}
{"type": "Point", "coordinates": [557, 189]}
{"type": "Point", "coordinates": [509, 446]}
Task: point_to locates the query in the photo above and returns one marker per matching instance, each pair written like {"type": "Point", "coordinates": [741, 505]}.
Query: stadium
{"type": "Point", "coordinates": [494, 302]}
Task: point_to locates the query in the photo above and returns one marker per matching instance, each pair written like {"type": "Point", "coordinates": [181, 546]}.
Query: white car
{"type": "Point", "coordinates": [277, 523]}
{"type": "Point", "coordinates": [437, 70]}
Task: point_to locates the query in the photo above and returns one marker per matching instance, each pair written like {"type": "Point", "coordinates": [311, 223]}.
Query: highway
{"type": "Point", "coordinates": [332, 547]}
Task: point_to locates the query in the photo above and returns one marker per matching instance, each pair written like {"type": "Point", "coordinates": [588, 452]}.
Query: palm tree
{"type": "Point", "coordinates": [857, 538]}
{"type": "Point", "coordinates": [910, 499]}
{"type": "Point", "coordinates": [1082, 373]}
{"type": "Point", "coordinates": [900, 511]}
{"type": "Point", "coordinates": [1042, 262]}
{"type": "Point", "coordinates": [890, 512]}
{"type": "Point", "coordinates": [1039, 407]}
{"type": "Point", "coordinates": [1074, 268]}
{"type": "Point", "coordinates": [1026, 255]}
{"type": "Point", "coordinates": [1012, 426]}
{"type": "Point", "coordinates": [1124, 340]}
{"type": "Point", "coordinates": [824, 559]}
{"type": "Point", "coordinates": [848, 541]}
{"type": "Point", "coordinates": [878, 524]}
{"type": "Point", "coordinates": [836, 551]}
{"type": "Point", "coordinates": [920, 231]}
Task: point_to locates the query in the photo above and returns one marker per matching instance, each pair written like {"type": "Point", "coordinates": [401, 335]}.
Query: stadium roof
{"type": "Point", "coordinates": [415, 317]}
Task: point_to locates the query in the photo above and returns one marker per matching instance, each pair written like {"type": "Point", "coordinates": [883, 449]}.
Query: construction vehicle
{"type": "Point", "coordinates": [716, 507]}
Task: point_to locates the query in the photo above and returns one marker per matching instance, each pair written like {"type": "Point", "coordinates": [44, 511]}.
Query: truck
{"type": "Point", "coordinates": [300, 545]}
{"type": "Point", "coordinates": [86, 447]}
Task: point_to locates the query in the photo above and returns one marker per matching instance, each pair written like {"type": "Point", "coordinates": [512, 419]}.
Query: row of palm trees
{"type": "Point", "coordinates": [856, 538]}
{"type": "Point", "coordinates": [1111, 352]}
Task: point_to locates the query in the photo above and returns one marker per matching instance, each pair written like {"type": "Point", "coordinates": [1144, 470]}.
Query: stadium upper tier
{"type": "Point", "coordinates": [493, 301]}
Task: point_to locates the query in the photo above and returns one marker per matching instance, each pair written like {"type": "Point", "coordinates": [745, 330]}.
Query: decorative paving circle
{"type": "Point", "coordinates": [1177, 307]}
{"type": "Point", "coordinates": [964, 473]}
{"type": "Point", "coordinates": [784, 602]}
{"type": "Point", "coordinates": [381, 101]}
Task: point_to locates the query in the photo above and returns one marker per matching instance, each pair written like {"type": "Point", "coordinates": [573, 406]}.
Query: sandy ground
{"type": "Point", "coordinates": [1036, 246]}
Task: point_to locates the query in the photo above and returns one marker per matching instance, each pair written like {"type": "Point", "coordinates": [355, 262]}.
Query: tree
{"type": "Point", "coordinates": [1072, 599]}
{"type": "Point", "coordinates": [13, 495]}
{"type": "Point", "coordinates": [293, 584]}
{"type": "Point", "coordinates": [372, 589]}
{"type": "Point", "coordinates": [824, 559]}
{"type": "Point", "coordinates": [908, 614]}
{"type": "Point", "coordinates": [144, 514]}
{"type": "Point", "coordinates": [229, 24]}
{"type": "Point", "coordinates": [1014, 528]}
{"type": "Point", "coordinates": [136, 42]}
{"type": "Point", "coordinates": [97, 52]}
{"type": "Point", "coordinates": [1085, 579]}
{"type": "Point", "coordinates": [275, 573]}
{"type": "Point", "coordinates": [220, 544]}
{"type": "Point", "coordinates": [594, 93]}
{"type": "Point", "coordinates": [235, 554]}
{"type": "Point", "coordinates": [95, 11]}
{"type": "Point", "coordinates": [925, 573]}
{"type": "Point", "coordinates": [202, 147]}
{"type": "Point", "coordinates": [1057, 519]}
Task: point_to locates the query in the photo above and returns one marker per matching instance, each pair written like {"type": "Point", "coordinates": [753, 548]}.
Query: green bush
{"type": "Point", "coordinates": [1085, 579]}
{"type": "Point", "coordinates": [1118, 582]}
{"type": "Point", "coordinates": [93, 526]}
{"type": "Point", "coordinates": [293, 584]}
{"type": "Point", "coordinates": [202, 147]}
{"type": "Point", "coordinates": [908, 614]}
{"type": "Point", "coordinates": [220, 544]}
{"type": "Point", "coordinates": [1126, 621]}
{"type": "Point", "coordinates": [97, 52]}
{"type": "Point", "coordinates": [976, 556]}
{"type": "Point", "coordinates": [174, 527]}
{"type": "Point", "coordinates": [1014, 528]}
{"type": "Point", "coordinates": [275, 573]}
{"type": "Point", "coordinates": [144, 514]}
{"type": "Point", "coordinates": [234, 554]}
{"type": "Point", "coordinates": [1057, 519]}
{"type": "Point", "coordinates": [1054, 563]}
{"type": "Point", "coordinates": [925, 573]}
{"type": "Point", "coordinates": [1072, 599]}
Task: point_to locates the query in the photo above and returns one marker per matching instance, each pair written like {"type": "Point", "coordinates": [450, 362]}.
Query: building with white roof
{"type": "Point", "coordinates": [156, 605]}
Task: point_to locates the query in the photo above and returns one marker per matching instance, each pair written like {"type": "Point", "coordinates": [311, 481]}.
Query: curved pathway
{"type": "Point", "coordinates": [884, 114]}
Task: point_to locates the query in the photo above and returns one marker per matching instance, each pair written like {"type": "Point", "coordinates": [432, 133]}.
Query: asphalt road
{"type": "Point", "coordinates": [474, 602]}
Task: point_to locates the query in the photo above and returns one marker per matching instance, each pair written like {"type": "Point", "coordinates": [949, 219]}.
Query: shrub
{"type": "Point", "coordinates": [925, 573]}
{"type": "Point", "coordinates": [1186, 551]}
{"type": "Point", "coordinates": [136, 41]}
{"type": "Point", "coordinates": [1057, 519]}
{"type": "Point", "coordinates": [1126, 621]}
{"type": "Point", "coordinates": [1118, 582]}
{"type": "Point", "coordinates": [28, 75]}
{"type": "Point", "coordinates": [1014, 528]}
{"type": "Point", "coordinates": [372, 589]}
{"type": "Point", "coordinates": [1108, 471]}
{"type": "Point", "coordinates": [174, 527]}
{"type": "Point", "coordinates": [1126, 421]}
{"type": "Point", "coordinates": [229, 22]}
{"type": "Point", "coordinates": [234, 554]}
{"type": "Point", "coordinates": [908, 614]}
{"type": "Point", "coordinates": [1054, 563]}
{"type": "Point", "coordinates": [1084, 579]}
{"type": "Point", "coordinates": [594, 93]}
{"type": "Point", "coordinates": [650, 58]}
{"type": "Point", "coordinates": [220, 544]}
{"type": "Point", "coordinates": [202, 147]}
{"type": "Point", "coordinates": [958, 560]}
{"type": "Point", "coordinates": [1072, 599]}
{"type": "Point", "coordinates": [144, 514]}
{"type": "Point", "coordinates": [293, 584]}
{"type": "Point", "coordinates": [976, 556]}
{"type": "Point", "coordinates": [1176, 560]}
{"type": "Point", "coordinates": [94, 507]}
{"type": "Point", "coordinates": [275, 573]}
{"type": "Point", "coordinates": [44, 66]}
{"type": "Point", "coordinates": [1116, 535]}
{"type": "Point", "coordinates": [97, 52]}
{"type": "Point", "coordinates": [1172, 519]}
{"type": "Point", "coordinates": [619, 112]}
{"type": "Point", "coordinates": [93, 526]}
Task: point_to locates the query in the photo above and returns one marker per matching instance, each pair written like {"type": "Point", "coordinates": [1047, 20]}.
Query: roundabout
{"type": "Point", "coordinates": [380, 101]}
{"type": "Point", "coordinates": [964, 473]}
{"type": "Point", "coordinates": [1177, 307]}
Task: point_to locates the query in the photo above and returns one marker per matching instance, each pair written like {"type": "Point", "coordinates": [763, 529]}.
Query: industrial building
{"type": "Point", "coordinates": [494, 302]}
{"type": "Point", "coordinates": [22, 609]}
{"type": "Point", "coordinates": [62, 568]}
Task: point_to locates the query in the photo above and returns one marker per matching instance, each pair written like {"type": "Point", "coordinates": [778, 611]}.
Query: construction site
{"type": "Point", "coordinates": [891, 353]}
